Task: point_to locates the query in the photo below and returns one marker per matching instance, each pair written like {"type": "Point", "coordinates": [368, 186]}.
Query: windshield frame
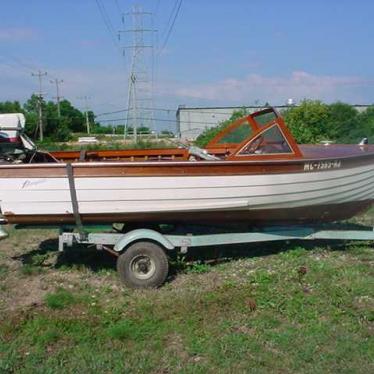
{"type": "Point", "coordinates": [233, 149]}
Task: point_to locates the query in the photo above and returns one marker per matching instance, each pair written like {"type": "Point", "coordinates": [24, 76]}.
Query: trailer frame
{"type": "Point", "coordinates": [120, 241]}
{"type": "Point", "coordinates": [143, 253]}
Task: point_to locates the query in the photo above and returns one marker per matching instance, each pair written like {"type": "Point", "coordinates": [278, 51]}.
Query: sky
{"type": "Point", "coordinates": [219, 53]}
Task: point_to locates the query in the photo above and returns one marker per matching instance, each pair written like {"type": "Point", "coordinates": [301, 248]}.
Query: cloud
{"type": "Point", "coordinates": [106, 87]}
{"type": "Point", "coordinates": [15, 34]}
{"type": "Point", "coordinates": [298, 85]}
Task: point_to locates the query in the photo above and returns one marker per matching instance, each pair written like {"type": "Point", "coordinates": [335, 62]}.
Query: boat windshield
{"type": "Point", "coordinates": [237, 134]}
{"type": "Point", "coordinates": [264, 117]}
{"type": "Point", "coordinates": [262, 133]}
{"type": "Point", "coordinates": [270, 141]}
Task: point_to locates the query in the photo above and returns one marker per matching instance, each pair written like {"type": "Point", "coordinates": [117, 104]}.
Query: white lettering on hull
{"type": "Point", "coordinates": [322, 165]}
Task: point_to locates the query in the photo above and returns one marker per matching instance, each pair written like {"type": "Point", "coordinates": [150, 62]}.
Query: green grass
{"type": "Point", "coordinates": [60, 299]}
{"type": "Point", "coordinates": [293, 309]}
{"type": "Point", "coordinates": [3, 271]}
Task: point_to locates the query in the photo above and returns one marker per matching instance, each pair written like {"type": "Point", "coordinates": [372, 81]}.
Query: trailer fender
{"type": "Point", "coordinates": [142, 234]}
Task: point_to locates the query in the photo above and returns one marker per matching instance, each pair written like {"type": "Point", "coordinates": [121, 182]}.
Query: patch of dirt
{"type": "Point", "coordinates": [23, 292]}
{"type": "Point", "coordinates": [175, 347]}
{"type": "Point", "coordinates": [20, 290]}
{"type": "Point", "coordinates": [207, 281]}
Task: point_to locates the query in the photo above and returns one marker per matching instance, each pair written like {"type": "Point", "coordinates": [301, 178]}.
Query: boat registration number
{"type": "Point", "coordinates": [322, 165]}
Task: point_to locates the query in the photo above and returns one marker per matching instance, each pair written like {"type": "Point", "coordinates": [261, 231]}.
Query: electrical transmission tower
{"type": "Point", "coordinates": [141, 67]}
{"type": "Point", "coordinates": [40, 75]}
{"type": "Point", "coordinates": [57, 97]}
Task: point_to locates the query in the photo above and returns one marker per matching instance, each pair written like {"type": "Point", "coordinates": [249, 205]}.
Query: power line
{"type": "Point", "coordinates": [168, 23]}
{"type": "Point", "coordinates": [118, 6]}
{"type": "Point", "coordinates": [114, 112]}
{"type": "Point", "coordinates": [161, 120]}
{"type": "Point", "coordinates": [24, 71]}
{"type": "Point", "coordinates": [126, 110]}
{"type": "Point", "coordinates": [107, 23]}
{"type": "Point", "coordinates": [28, 66]}
{"type": "Point", "coordinates": [172, 26]}
{"type": "Point", "coordinates": [18, 64]}
{"type": "Point", "coordinates": [203, 111]}
{"type": "Point", "coordinates": [23, 64]}
{"type": "Point", "coordinates": [157, 7]}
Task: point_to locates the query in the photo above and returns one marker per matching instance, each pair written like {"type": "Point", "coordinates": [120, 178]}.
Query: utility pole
{"type": "Point", "coordinates": [86, 108]}
{"type": "Point", "coordinates": [140, 75]}
{"type": "Point", "coordinates": [57, 97]}
{"type": "Point", "coordinates": [40, 75]}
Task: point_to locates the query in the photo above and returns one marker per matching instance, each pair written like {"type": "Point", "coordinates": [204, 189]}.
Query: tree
{"type": "Point", "coordinates": [343, 120]}
{"type": "Point", "coordinates": [208, 134]}
{"type": "Point", "coordinates": [308, 121]}
{"type": "Point", "coordinates": [31, 113]}
{"type": "Point", "coordinates": [143, 130]}
{"type": "Point", "coordinates": [56, 128]}
{"type": "Point", "coordinates": [11, 107]}
{"type": "Point", "coordinates": [76, 119]}
{"type": "Point", "coordinates": [314, 121]}
{"type": "Point", "coordinates": [365, 126]}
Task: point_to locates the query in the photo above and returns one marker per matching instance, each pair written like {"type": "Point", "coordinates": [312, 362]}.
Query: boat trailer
{"type": "Point", "coordinates": [142, 253]}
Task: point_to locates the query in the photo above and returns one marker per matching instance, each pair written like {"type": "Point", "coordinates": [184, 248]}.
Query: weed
{"type": "Point", "coordinates": [199, 267]}
{"type": "Point", "coordinates": [60, 299]}
{"type": "Point", "coordinates": [39, 259]}
{"type": "Point", "coordinates": [48, 337]}
{"type": "Point", "coordinates": [136, 330]}
{"type": "Point", "coordinates": [29, 269]}
{"type": "Point", "coordinates": [178, 263]}
{"type": "Point", "coordinates": [3, 271]}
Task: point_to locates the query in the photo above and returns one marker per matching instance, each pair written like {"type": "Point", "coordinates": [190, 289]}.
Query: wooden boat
{"type": "Point", "coordinates": [252, 172]}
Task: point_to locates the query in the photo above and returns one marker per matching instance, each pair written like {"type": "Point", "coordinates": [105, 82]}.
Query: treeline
{"type": "Point", "coordinates": [71, 120]}
{"type": "Point", "coordinates": [313, 121]}
{"type": "Point", "coordinates": [55, 127]}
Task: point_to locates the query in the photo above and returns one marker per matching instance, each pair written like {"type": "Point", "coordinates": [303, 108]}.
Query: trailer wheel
{"type": "Point", "coordinates": [143, 265]}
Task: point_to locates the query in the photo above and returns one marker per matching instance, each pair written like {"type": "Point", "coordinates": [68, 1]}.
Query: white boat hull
{"type": "Point", "coordinates": [186, 194]}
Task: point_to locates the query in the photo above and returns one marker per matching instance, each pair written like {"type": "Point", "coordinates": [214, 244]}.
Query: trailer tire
{"type": "Point", "coordinates": [143, 265]}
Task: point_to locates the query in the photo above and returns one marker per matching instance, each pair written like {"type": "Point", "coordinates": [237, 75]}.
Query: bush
{"type": "Point", "coordinates": [308, 121]}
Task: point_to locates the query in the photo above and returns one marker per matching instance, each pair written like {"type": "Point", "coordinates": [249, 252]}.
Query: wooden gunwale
{"type": "Point", "coordinates": [172, 152]}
